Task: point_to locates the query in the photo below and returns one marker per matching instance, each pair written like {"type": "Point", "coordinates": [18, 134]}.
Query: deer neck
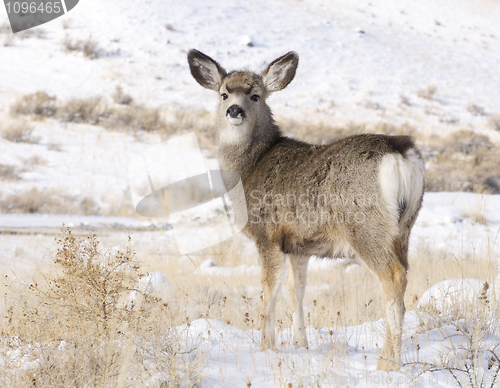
{"type": "Point", "coordinates": [243, 156]}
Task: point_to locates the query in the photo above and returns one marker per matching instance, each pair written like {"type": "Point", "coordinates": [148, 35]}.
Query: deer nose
{"type": "Point", "coordinates": [234, 110]}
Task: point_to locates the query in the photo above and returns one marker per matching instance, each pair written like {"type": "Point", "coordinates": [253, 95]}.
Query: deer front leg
{"type": "Point", "coordinates": [296, 284]}
{"type": "Point", "coordinates": [273, 266]}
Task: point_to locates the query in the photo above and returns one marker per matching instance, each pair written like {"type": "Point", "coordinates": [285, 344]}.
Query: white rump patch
{"type": "Point", "coordinates": [402, 181]}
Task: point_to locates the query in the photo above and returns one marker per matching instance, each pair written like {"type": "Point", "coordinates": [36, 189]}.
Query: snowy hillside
{"type": "Point", "coordinates": [364, 61]}
{"type": "Point", "coordinates": [428, 67]}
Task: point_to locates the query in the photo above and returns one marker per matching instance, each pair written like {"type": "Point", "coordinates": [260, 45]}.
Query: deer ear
{"type": "Point", "coordinates": [280, 72]}
{"type": "Point", "coordinates": [205, 70]}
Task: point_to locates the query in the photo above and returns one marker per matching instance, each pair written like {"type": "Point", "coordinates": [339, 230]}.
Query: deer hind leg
{"type": "Point", "coordinates": [393, 280]}
{"type": "Point", "coordinates": [273, 267]}
{"type": "Point", "coordinates": [296, 284]}
{"type": "Point", "coordinates": [388, 261]}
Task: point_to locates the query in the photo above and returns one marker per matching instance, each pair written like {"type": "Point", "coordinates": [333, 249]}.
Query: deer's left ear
{"type": "Point", "coordinates": [280, 72]}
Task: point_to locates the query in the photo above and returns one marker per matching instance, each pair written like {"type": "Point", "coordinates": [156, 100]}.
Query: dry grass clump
{"type": "Point", "coordinates": [10, 37]}
{"type": "Point", "coordinates": [87, 324]}
{"type": "Point", "coordinates": [463, 161]}
{"type": "Point", "coordinates": [476, 110]}
{"type": "Point", "coordinates": [37, 104]}
{"type": "Point", "coordinates": [54, 146]}
{"type": "Point", "coordinates": [467, 330]}
{"type": "Point", "coordinates": [428, 93]}
{"type": "Point", "coordinates": [19, 132]}
{"type": "Point", "coordinates": [84, 110]}
{"type": "Point", "coordinates": [135, 118]}
{"type": "Point", "coordinates": [477, 217]}
{"type": "Point", "coordinates": [120, 97]}
{"type": "Point", "coordinates": [8, 172]}
{"type": "Point", "coordinates": [89, 47]}
{"type": "Point", "coordinates": [48, 201]}
{"type": "Point", "coordinates": [125, 116]}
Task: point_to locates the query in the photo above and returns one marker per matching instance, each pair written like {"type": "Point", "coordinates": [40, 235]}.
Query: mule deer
{"type": "Point", "coordinates": [360, 195]}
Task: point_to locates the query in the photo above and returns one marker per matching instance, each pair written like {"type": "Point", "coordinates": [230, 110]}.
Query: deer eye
{"type": "Point", "coordinates": [224, 96]}
{"type": "Point", "coordinates": [255, 98]}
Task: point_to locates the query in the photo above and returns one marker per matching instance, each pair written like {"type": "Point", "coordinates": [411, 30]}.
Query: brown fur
{"type": "Point", "coordinates": [359, 195]}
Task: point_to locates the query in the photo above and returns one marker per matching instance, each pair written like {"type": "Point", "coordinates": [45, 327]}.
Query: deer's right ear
{"type": "Point", "coordinates": [205, 70]}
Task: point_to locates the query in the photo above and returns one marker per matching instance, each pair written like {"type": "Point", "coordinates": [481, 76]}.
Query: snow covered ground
{"type": "Point", "coordinates": [337, 356]}
{"type": "Point", "coordinates": [362, 61]}
{"type": "Point", "coordinates": [433, 65]}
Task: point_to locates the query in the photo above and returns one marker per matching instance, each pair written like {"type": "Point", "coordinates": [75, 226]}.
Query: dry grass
{"type": "Point", "coordinates": [428, 93]}
{"type": "Point", "coordinates": [120, 97]}
{"type": "Point", "coordinates": [476, 110]}
{"type": "Point", "coordinates": [89, 47]}
{"type": "Point", "coordinates": [48, 201]}
{"type": "Point", "coordinates": [95, 111]}
{"type": "Point", "coordinates": [8, 172]}
{"type": "Point", "coordinates": [337, 295]}
{"type": "Point", "coordinates": [54, 147]}
{"type": "Point", "coordinates": [463, 161]}
{"type": "Point", "coordinates": [10, 37]}
{"type": "Point", "coordinates": [73, 344]}
{"type": "Point", "coordinates": [19, 132]}
{"type": "Point", "coordinates": [87, 324]}
{"type": "Point", "coordinates": [134, 118]}
{"type": "Point", "coordinates": [37, 104]}
{"type": "Point", "coordinates": [84, 110]}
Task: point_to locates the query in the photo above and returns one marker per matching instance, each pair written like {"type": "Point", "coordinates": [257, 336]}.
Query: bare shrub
{"type": "Point", "coordinates": [78, 332]}
{"type": "Point", "coordinates": [136, 119]}
{"type": "Point", "coordinates": [88, 47]}
{"type": "Point", "coordinates": [19, 132]}
{"type": "Point", "coordinates": [8, 172]}
{"type": "Point", "coordinates": [466, 142]}
{"type": "Point", "coordinates": [463, 161]}
{"type": "Point", "coordinates": [477, 217]}
{"type": "Point", "coordinates": [54, 147]}
{"type": "Point", "coordinates": [476, 110]}
{"type": "Point", "coordinates": [465, 334]}
{"type": "Point", "coordinates": [37, 104]}
{"type": "Point", "coordinates": [428, 93]}
{"type": "Point", "coordinates": [48, 201]}
{"type": "Point", "coordinates": [404, 100]}
{"type": "Point", "coordinates": [120, 97]}
{"type": "Point", "coordinates": [34, 161]}
{"type": "Point", "coordinates": [84, 110]}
